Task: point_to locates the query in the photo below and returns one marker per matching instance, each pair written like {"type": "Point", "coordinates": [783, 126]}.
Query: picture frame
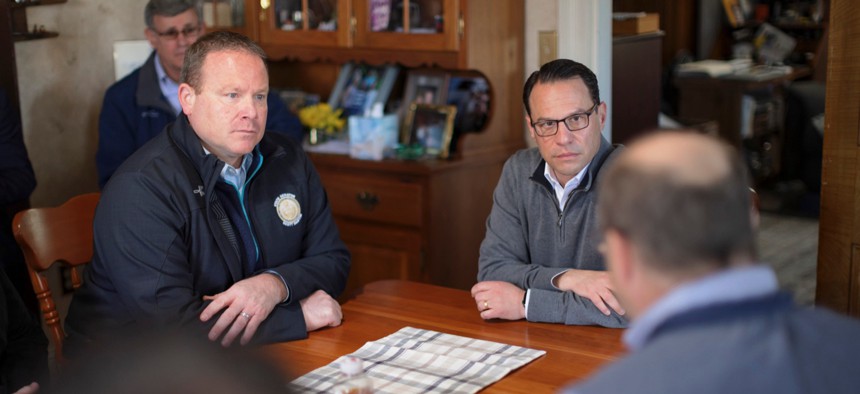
{"type": "Point", "coordinates": [359, 87]}
{"type": "Point", "coordinates": [430, 127]}
{"type": "Point", "coordinates": [424, 86]}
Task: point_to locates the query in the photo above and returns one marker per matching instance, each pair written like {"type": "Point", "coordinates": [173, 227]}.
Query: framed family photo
{"type": "Point", "coordinates": [430, 127]}
{"type": "Point", "coordinates": [425, 87]}
{"type": "Point", "coordinates": [360, 86]}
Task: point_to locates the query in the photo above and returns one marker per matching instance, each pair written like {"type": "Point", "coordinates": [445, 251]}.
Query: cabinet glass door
{"type": "Point", "coordinates": [306, 22]}
{"type": "Point", "coordinates": [407, 24]}
{"type": "Point", "coordinates": [224, 14]}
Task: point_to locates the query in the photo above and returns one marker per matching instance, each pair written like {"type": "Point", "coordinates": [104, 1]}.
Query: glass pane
{"type": "Point", "coordinates": [322, 15]}
{"type": "Point", "coordinates": [425, 16]}
{"type": "Point", "coordinates": [224, 13]}
{"type": "Point", "coordinates": [288, 14]}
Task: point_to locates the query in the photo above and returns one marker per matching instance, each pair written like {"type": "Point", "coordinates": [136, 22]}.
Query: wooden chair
{"type": "Point", "coordinates": [63, 235]}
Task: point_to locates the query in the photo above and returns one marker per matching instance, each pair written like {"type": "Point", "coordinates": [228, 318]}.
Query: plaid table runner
{"type": "Point", "coordinates": [422, 361]}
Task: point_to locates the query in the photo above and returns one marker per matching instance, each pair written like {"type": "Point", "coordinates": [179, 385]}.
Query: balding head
{"type": "Point", "coordinates": [683, 200]}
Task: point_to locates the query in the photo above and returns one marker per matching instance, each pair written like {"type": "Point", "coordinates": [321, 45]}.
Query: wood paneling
{"type": "Point", "coordinates": [840, 195]}
{"type": "Point", "coordinates": [677, 19]}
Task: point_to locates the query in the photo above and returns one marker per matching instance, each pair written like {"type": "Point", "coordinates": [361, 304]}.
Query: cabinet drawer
{"type": "Point", "coordinates": [380, 199]}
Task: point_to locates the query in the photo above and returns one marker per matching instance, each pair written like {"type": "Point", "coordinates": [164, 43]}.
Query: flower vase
{"type": "Point", "coordinates": [316, 136]}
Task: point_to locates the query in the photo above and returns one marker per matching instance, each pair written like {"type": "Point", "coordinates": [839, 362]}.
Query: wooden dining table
{"type": "Point", "coordinates": [381, 308]}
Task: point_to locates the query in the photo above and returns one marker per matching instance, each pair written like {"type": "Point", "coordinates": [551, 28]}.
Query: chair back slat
{"type": "Point", "coordinates": [61, 235]}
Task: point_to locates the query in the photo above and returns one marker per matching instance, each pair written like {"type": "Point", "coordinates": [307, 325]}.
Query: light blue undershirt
{"type": "Point", "coordinates": [732, 285]}
{"type": "Point", "coordinates": [169, 87]}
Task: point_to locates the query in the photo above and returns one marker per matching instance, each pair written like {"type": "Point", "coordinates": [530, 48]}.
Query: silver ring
{"type": "Point", "coordinates": [245, 315]}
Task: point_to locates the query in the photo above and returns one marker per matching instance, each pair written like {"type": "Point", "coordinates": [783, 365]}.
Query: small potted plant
{"type": "Point", "coordinates": [323, 122]}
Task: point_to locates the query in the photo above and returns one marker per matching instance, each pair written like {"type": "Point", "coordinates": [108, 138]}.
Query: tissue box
{"type": "Point", "coordinates": [369, 137]}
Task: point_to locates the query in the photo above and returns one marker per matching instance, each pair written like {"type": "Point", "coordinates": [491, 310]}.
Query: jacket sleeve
{"type": "Point", "coordinates": [504, 254]}
{"type": "Point", "coordinates": [555, 306]}
{"type": "Point", "coordinates": [281, 120]}
{"type": "Point", "coordinates": [325, 260]}
{"type": "Point", "coordinates": [23, 345]}
{"type": "Point", "coordinates": [116, 133]}
{"type": "Point", "coordinates": [142, 246]}
{"type": "Point", "coordinates": [17, 179]}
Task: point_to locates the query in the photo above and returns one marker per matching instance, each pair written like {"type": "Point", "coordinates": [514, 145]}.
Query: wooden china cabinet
{"type": "Point", "coordinates": [417, 220]}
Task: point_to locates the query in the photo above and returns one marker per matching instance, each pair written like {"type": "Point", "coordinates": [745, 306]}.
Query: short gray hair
{"type": "Point", "coordinates": [170, 8]}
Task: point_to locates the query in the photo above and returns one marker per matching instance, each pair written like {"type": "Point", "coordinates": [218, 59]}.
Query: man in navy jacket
{"type": "Point", "coordinates": [214, 225]}
{"type": "Point", "coordinates": [137, 107]}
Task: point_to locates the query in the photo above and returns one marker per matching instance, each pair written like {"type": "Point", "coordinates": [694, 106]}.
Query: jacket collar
{"type": "Point", "coordinates": [148, 92]}
{"type": "Point", "coordinates": [588, 180]}
{"type": "Point", "coordinates": [208, 166]}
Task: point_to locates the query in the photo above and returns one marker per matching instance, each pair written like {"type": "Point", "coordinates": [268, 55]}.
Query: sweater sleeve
{"type": "Point", "coordinates": [549, 306]}
{"type": "Point", "coordinates": [504, 252]}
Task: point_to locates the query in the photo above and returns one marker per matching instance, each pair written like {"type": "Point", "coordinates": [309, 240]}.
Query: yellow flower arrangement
{"type": "Point", "coordinates": [321, 117]}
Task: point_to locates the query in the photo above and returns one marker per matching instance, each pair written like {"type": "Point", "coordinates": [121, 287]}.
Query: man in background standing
{"type": "Point", "coordinates": [137, 107]}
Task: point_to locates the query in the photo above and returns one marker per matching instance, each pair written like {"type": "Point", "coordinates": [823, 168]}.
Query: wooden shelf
{"type": "Point", "coordinates": [18, 37]}
{"type": "Point", "coordinates": [26, 4]}
{"type": "Point", "coordinates": [21, 30]}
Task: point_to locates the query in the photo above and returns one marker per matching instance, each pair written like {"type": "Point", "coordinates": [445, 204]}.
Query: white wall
{"type": "Point", "coordinates": [62, 81]}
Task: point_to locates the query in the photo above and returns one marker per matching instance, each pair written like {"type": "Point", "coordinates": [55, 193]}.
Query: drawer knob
{"type": "Point", "coordinates": [367, 200]}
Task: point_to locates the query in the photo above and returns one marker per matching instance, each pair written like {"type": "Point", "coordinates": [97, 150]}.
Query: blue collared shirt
{"type": "Point", "coordinates": [732, 285]}
{"type": "Point", "coordinates": [169, 87]}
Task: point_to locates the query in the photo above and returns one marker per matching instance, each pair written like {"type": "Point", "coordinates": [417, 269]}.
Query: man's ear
{"type": "Point", "coordinates": [187, 97]}
{"type": "Point", "coordinates": [150, 36]}
{"type": "Point", "coordinates": [602, 111]}
{"type": "Point", "coordinates": [620, 257]}
{"type": "Point", "coordinates": [529, 125]}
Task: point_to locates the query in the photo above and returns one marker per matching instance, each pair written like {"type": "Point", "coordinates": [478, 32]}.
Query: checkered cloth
{"type": "Point", "coordinates": [423, 361]}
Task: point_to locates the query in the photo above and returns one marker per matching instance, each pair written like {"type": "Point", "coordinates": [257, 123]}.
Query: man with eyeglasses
{"type": "Point", "coordinates": [539, 259]}
{"type": "Point", "coordinates": [137, 107]}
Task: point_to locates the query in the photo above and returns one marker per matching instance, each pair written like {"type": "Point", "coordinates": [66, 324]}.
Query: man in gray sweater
{"type": "Point", "coordinates": [539, 259]}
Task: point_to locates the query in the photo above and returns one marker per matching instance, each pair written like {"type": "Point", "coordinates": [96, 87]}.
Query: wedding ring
{"type": "Point", "coordinates": [486, 305]}
{"type": "Point", "coordinates": [245, 315]}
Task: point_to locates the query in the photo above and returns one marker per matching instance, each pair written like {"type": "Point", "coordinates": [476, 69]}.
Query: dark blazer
{"type": "Point", "coordinates": [160, 244]}
{"type": "Point", "coordinates": [764, 345]}
{"type": "Point", "coordinates": [134, 111]}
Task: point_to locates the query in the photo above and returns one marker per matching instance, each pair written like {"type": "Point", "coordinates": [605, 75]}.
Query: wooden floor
{"type": "Point", "coordinates": [790, 245]}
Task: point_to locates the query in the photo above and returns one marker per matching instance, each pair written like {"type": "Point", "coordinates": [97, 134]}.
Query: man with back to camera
{"type": "Point", "coordinates": [136, 108]}
{"type": "Point", "coordinates": [539, 258]}
{"type": "Point", "coordinates": [214, 225]}
{"type": "Point", "coordinates": [676, 213]}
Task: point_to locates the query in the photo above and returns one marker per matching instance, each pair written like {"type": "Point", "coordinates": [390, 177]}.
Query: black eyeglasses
{"type": "Point", "coordinates": [577, 121]}
{"type": "Point", "coordinates": [173, 34]}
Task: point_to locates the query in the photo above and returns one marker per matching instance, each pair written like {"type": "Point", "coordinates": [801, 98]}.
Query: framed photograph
{"type": "Point", "coordinates": [425, 87]}
{"type": "Point", "coordinates": [360, 86]}
{"type": "Point", "coordinates": [431, 127]}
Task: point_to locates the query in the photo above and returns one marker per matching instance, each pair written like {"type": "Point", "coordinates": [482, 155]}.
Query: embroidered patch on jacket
{"type": "Point", "coordinates": [288, 209]}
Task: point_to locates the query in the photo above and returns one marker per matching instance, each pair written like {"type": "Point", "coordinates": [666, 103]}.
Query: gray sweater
{"type": "Point", "coordinates": [529, 241]}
